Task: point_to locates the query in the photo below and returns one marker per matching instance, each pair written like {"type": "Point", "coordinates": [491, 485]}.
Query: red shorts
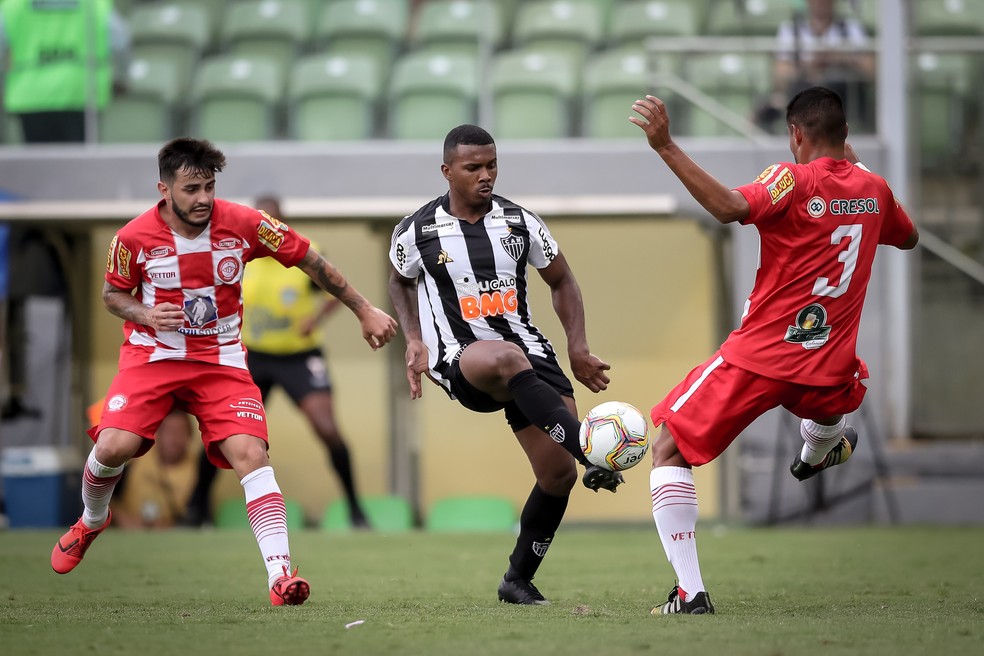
{"type": "Point", "coordinates": [225, 400]}
{"type": "Point", "coordinates": [717, 401]}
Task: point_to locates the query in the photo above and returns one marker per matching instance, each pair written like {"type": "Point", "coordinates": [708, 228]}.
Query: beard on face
{"type": "Point", "coordinates": [186, 216]}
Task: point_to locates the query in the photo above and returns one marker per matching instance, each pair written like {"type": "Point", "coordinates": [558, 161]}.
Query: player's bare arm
{"type": "Point", "coordinates": [565, 293]}
{"type": "Point", "coordinates": [724, 204]}
{"type": "Point", "coordinates": [378, 328]}
{"type": "Point", "coordinates": [403, 295]}
{"type": "Point", "coordinates": [165, 317]}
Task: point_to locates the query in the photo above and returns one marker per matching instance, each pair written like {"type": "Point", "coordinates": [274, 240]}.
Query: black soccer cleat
{"type": "Point", "coordinates": [839, 454]}
{"type": "Point", "coordinates": [596, 478]}
{"type": "Point", "coordinates": [520, 591]}
{"type": "Point", "coordinates": [699, 605]}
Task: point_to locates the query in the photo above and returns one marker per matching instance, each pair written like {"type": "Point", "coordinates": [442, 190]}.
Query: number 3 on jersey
{"type": "Point", "coordinates": [849, 257]}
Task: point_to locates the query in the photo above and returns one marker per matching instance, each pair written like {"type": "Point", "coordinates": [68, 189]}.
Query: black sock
{"type": "Point", "coordinates": [543, 406]}
{"type": "Point", "coordinates": [342, 463]}
{"type": "Point", "coordinates": [537, 525]}
{"type": "Point", "coordinates": [198, 503]}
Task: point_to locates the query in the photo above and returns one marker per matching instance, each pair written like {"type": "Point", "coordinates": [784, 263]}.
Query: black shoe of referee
{"type": "Point", "coordinates": [520, 591]}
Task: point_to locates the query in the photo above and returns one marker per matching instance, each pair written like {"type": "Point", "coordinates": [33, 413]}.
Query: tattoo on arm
{"type": "Point", "coordinates": [122, 303]}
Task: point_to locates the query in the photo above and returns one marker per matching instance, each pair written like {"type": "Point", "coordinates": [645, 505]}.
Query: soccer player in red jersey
{"type": "Point", "coordinates": [174, 275]}
{"type": "Point", "coordinates": [820, 221]}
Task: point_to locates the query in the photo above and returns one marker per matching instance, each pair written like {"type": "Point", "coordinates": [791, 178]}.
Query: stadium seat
{"type": "Point", "coordinates": [173, 31]}
{"type": "Point", "coordinates": [430, 94]}
{"type": "Point", "coordinates": [375, 28]}
{"type": "Point", "coordinates": [455, 26]}
{"type": "Point", "coordinates": [567, 26]}
{"type": "Point", "coordinates": [472, 514]}
{"type": "Point", "coordinates": [333, 97]}
{"type": "Point", "coordinates": [533, 94]}
{"type": "Point", "coordinates": [387, 514]}
{"type": "Point", "coordinates": [145, 112]}
{"type": "Point", "coordinates": [738, 81]}
{"type": "Point", "coordinates": [612, 82]}
{"type": "Point", "coordinates": [278, 29]}
{"type": "Point", "coordinates": [747, 17]}
{"type": "Point", "coordinates": [940, 96]}
{"type": "Point", "coordinates": [634, 23]}
{"type": "Point", "coordinates": [236, 98]}
{"type": "Point", "coordinates": [231, 514]}
{"type": "Point", "coordinates": [948, 18]}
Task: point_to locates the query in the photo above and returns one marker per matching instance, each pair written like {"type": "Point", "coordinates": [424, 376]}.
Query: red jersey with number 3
{"type": "Point", "coordinates": [202, 275]}
{"type": "Point", "coordinates": [819, 224]}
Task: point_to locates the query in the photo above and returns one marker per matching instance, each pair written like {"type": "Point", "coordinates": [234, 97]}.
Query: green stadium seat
{"type": "Point", "coordinates": [747, 17]}
{"type": "Point", "coordinates": [145, 112]}
{"type": "Point", "coordinates": [333, 97]}
{"type": "Point", "coordinates": [940, 98]}
{"type": "Point", "coordinates": [430, 94]}
{"type": "Point", "coordinates": [612, 82]}
{"type": "Point", "coordinates": [387, 514]}
{"type": "Point", "coordinates": [467, 514]}
{"type": "Point", "coordinates": [634, 23]}
{"type": "Point", "coordinates": [376, 28]}
{"type": "Point", "coordinates": [738, 81]}
{"type": "Point", "coordinates": [231, 515]}
{"type": "Point", "coordinates": [236, 98]}
{"type": "Point", "coordinates": [948, 18]}
{"type": "Point", "coordinates": [567, 26]}
{"type": "Point", "coordinates": [278, 29]}
{"type": "Point", "coordinates": [455, 26]}
{"type": "Point", "coordinates": [170, 30]}
{"type": "Point", "coordinates": [533, 94]}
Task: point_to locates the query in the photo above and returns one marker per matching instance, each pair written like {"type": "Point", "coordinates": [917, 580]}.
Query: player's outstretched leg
{"type": "Point", "coordinates": [841, 451]}
{"type": "Point", "coordinates": [538, 524]}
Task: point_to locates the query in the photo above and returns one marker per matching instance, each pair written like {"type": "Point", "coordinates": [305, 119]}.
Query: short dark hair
{"type": "Point", "coordinates": [197, 155]}
{"type": "Point", "coordinates": [465, 135]}
{"type": "Point", "coordinates": [819, 112]}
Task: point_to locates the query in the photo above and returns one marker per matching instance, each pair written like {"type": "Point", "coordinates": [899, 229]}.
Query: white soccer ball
{"type": "Point", "coordinates": [614, 435]}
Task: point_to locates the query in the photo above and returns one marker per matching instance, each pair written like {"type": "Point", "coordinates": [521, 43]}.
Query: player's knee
{"type": "Point", "coordinates": [114, 447]}
{"type": "Point", "coordinates": [559, 481]}
{"type": "Point", "coordinates": [664, 449]}
{"type": "Point", "coordinates": [509, 360]}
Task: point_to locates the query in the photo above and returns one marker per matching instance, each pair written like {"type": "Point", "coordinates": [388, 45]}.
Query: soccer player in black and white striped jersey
{"type": "Point", "coordinates": [459, 286]}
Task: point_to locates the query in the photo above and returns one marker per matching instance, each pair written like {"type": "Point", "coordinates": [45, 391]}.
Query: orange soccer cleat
{"type": "Point", "coordinates": [72, 546]}
{"type": "Point", "coordinates": [289, 590]}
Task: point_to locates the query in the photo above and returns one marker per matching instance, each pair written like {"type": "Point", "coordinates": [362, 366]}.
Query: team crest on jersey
{"type": "Point", "coordinates": [811, 330]}
{"type": "Point", "coordinates": [270, 235]}
{"type": "Point", "coordinates": [514, 245]}
{"type": "Point", "coordinates": [443, 257]}
{"type": "Point", "coordinates": [782, 185]}
{"type": "Point", "coordinates": [816, 207]}
{"type": "Point", "coordinates": [228, 269]}
{"type": "Point", "coordinates": [116, 403]}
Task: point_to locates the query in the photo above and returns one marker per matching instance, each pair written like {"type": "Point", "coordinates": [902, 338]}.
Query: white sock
{"type": "Point", "coordinates": [98, 483]}
{"type": "Point", "coordinates": [818, 439]}
{"type": "Point", "coordinates": [268, 519]}
{"type": "Point", "coordinates": [675, 513]}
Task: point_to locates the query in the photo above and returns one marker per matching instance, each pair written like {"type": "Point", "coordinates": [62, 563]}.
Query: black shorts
{"type": "Point", "coordinates": [474, 399]}
{"type": "Point", "coordinates": [298, 373]}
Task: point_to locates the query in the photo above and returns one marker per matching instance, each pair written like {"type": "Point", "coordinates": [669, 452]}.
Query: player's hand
{"type": "Point", "coordinates": [416, 365]}
{"type": "Point", "coordinates": [589, 370]}
{"type": "Point", "coordinates": [165, 317]}
{"type": "Point", "coordinates": [596, 477]}
{"type": "Point", "coordinates": [653, 121]}
{"type": "Point", "coordinates": [378, 328]}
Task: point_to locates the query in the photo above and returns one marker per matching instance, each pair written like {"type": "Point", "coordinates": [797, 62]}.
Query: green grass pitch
{"type": "Point", "coordinates": [850, 591]}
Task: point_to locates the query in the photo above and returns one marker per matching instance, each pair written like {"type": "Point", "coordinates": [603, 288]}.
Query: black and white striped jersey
{"type": "Point", "coordinates": [472, 278]}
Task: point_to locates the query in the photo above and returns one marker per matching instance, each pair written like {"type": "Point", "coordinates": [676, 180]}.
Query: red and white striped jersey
{"type": "Point", "coordinates": [203, 275]}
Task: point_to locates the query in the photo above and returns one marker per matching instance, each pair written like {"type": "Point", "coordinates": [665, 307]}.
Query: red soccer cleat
{"type": "Point", "coordinates": [72, 546]}
{"type": "Point", "coordinates": [289, 590]}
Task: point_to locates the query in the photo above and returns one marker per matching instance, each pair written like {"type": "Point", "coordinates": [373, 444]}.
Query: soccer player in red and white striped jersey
{"type": "Point", "coordinates": [820, 220]}
{"type": "Point", "coordinates": [174, 275]}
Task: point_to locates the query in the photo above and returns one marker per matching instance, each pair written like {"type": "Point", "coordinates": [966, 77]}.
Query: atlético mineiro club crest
{"type": "Point", "coordinates": [513, 245]}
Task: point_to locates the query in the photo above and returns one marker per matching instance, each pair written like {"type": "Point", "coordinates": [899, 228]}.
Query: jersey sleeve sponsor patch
{"type": "Point", "coordinates": [111, 255]}
{"type": "Point", "coordinates": [118, 258]}
{"type": "Point", "coordinates": [270, 236]}
{"type": "Point", "coordinates": [782, 185]}
{"type": "Point", "coordinates": [766, 174]}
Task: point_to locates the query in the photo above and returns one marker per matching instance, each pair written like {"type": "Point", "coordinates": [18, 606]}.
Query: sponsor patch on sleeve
{"type": "Point", "coordinates": [766, 174]}
{"type": "Point", "coordinates": [275, 222]}
{"type": "Point", "coordinates": [270, 236]}
{"type": "Point", "coordinates": [782, 185]}
{"type": "Point", "coordinates": [111, 255]}
{"type": "Point", "coordinates": [123, 257]}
